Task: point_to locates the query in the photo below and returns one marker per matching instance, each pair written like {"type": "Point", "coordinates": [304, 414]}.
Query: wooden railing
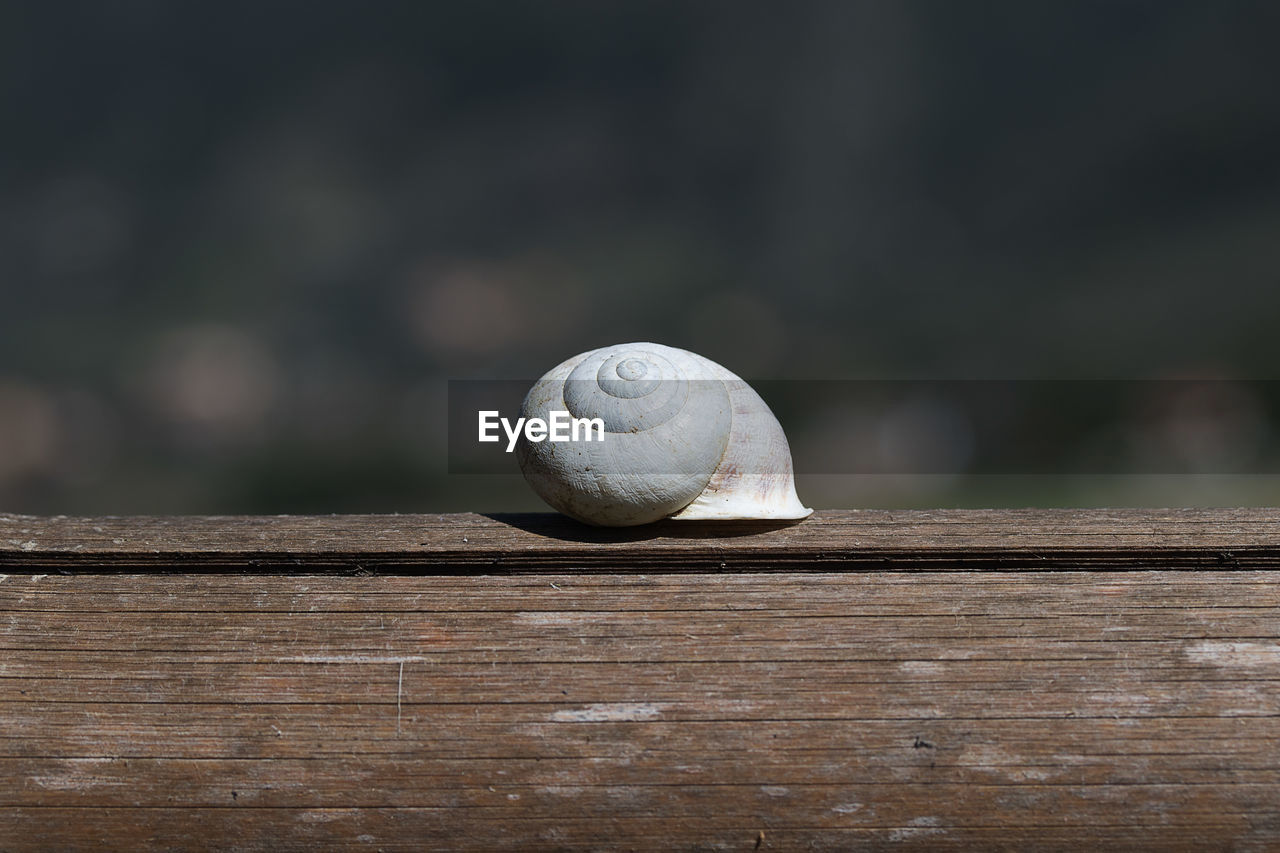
{"type": "Point", "coordinates": [911, 680]}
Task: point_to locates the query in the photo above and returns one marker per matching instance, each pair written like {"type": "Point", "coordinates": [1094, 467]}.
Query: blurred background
{"type": "Point", "coordinates": [245, 245]}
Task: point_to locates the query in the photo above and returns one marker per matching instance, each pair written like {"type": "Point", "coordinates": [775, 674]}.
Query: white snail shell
{"type": "Point", "coordinates": [684, 439]}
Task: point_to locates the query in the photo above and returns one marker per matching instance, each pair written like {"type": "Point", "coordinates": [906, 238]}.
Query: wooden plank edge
{"type": "Point", "coordinates": [469, 543]}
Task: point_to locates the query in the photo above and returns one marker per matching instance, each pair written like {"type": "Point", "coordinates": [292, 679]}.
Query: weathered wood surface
{"type": "Point", "coordinates": [834, 540]}
{"type": "Point", "coordinates": [946, 680]}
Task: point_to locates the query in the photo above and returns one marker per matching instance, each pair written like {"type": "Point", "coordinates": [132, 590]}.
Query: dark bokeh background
{"type": "Point", "coordinates": [244, 245]}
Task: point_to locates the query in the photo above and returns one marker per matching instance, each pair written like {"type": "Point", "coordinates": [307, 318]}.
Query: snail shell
{"type": "Point", "coordinates": [683, 438]}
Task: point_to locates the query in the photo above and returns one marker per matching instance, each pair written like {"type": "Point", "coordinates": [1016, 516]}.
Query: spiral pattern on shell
{"type": "Point", "coordinates": [684, 438]}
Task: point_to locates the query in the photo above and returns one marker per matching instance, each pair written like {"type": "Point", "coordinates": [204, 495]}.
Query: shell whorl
{"type": "Point", "coordinates": [684, 438]}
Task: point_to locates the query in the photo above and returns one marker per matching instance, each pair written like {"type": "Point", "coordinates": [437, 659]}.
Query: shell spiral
{"type": "Point", "coordinates": [683, 438]}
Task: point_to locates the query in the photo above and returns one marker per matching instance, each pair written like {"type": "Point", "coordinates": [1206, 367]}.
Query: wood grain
{"type": "Point", "coordinates": [918, 681]}
{"type": "Point", "coordinates": [857, 539]}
